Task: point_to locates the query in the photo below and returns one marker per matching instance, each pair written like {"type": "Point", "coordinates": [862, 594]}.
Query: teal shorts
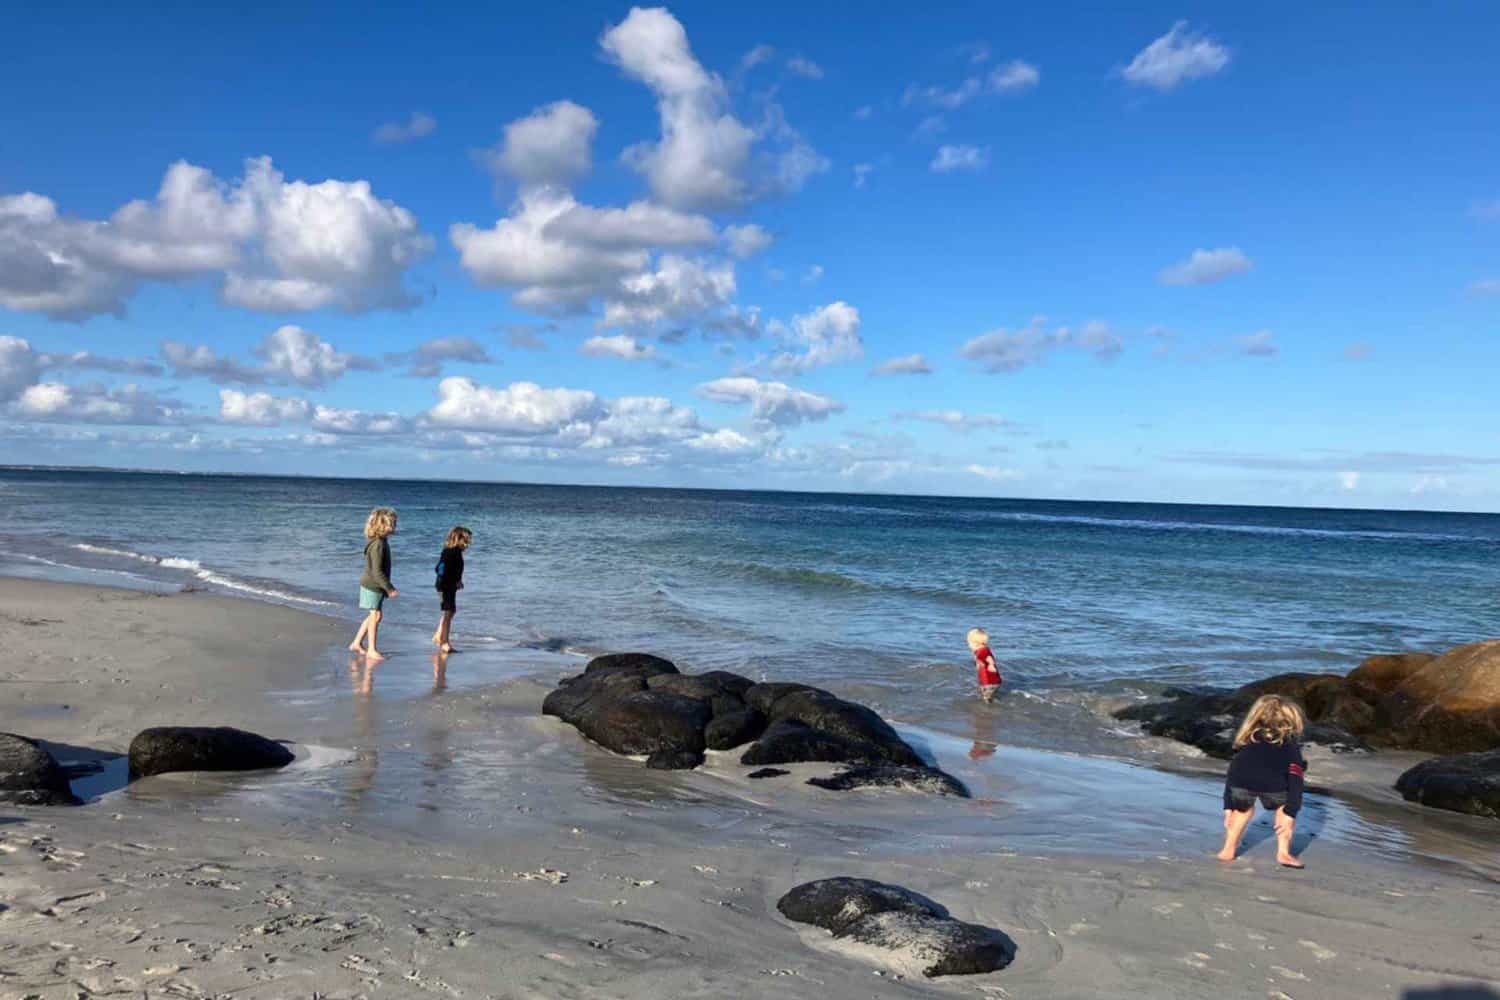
{"type": "Point", "coordinates": [371, 600]}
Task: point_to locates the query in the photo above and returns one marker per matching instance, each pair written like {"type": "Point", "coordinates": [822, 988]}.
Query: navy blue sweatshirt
{"type": "Point", "coordinates": [1268, 768]}
{"type": "Point", "coordinates": [450, 570]}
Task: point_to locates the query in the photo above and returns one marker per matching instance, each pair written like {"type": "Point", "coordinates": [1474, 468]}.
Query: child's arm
{"type": "Point", "coordinates": [1294, 782]}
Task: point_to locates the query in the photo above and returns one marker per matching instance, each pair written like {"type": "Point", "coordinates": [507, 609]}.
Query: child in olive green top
{"type": "Point", "coordinates": [375, 582]}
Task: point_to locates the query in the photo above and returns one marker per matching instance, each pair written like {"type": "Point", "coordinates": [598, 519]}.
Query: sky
{"type": "Point", "coordinates": [1166, 252]}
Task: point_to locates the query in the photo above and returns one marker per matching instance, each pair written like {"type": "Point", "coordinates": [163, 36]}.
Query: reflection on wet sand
{"type": "Point", "coordinates": [365, 730]}
{"type": "Point", "coordinates": [985, 724]}
{"type": "Point", "coordinates": [439, 672]}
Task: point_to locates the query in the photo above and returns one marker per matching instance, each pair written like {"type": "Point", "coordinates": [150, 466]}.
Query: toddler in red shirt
{"type": "Point", "coordinates": [989, 670]}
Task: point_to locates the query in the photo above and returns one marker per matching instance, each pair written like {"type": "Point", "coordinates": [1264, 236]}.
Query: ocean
{"type": "Point", "coordinates": [1086, 603]}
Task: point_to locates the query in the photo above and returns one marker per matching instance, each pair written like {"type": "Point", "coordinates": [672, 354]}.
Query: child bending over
{"type": "Point", "coordinates": [1267, 765]}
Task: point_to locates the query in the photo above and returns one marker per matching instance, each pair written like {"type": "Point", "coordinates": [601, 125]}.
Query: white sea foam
{"type": "Point", "coordinates": [206, 575]}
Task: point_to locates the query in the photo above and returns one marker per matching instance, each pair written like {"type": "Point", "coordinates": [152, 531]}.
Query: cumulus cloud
{"type": "Point", "coordinates": [95, 404]}
{"type": "Point", "coordinates": [358, 422]}
{"type": "Point", "coordinates": [19, 367]}
{"type": "Point", "coordinates": [910, 364]}
{"type": "Point", "coordinates": [260, 409]}
{"type": "Point", "coordinates": [426, 360]}
{"type": "Point", "coordinates": [188, 360]}
{"type": "Point", "coordinates": [746, 241]}
{"type": "Point", "coordinates": [415, 127]}
{"type": "Point", "coordinates": [621, 346]}
{"type": "Point", "coordinates": [773, 402]}
{"type": "Point", "coordinates": [1175, 57]}
{"type": "Point", "coordinates": [956, 420]}
{"type": "Point", "coordinates": [1260, 344]}
{"type": "Point", "coordinates": [1206, 267]}
{"type": "Point", "coordinates": [287, 354]}
{"type": "Point", "coordinates": [678, 288]}
{"type": "Point", "coordinates": [551, 146]}
{"type": "Point", "coordinates": [520, 408]}
{"type": "Point", "coordinates": [1005, 350]}
{"type": "Point", "coordinates": [951, 158]}
{"type": "Point", "coordinates": [278, 245]}
{"type": "Point", "coordinates": [828, 335]}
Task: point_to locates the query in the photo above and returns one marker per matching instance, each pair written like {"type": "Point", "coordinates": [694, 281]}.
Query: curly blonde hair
{"type": "Point", "coordinates": [1272, 719]}
{"type": "Point", "coordinates": [458, 538]}
{"type": "Point", "coordinates": [977, 637]}
{"type": "Point", "coordinates": [381, 522]}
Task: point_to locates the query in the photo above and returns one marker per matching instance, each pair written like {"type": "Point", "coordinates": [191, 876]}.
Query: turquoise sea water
{"type": "Point", "coordinates": [868, 594]}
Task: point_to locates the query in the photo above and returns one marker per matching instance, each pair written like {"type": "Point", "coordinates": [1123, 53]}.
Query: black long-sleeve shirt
{"type": "Point", "coordinates": [450, 570]}
{"type": "Point", "coordinates": [1269, 768]}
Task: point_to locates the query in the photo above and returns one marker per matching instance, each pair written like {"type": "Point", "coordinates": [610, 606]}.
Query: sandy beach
{"type": "Point", "coordinates": [438, 837]}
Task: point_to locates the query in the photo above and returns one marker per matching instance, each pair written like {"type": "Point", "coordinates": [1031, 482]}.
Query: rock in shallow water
{"type": "Point", "coordinates": [675, 760]}
{"type": "Point", "coordinates": [917, 779]}
{"type": "Point", "coordinates": [1466, 783]}
{"type": "Point", "coordinates": [788, 742]}
{"type": "Point", "coordinates": [735, 729]}
{"type": "Point", "coordinates": [203, 748]}
{"type": "Point", "coordinates": [915, 933]}
{"type": "Point", "coordinates": [29, 776]}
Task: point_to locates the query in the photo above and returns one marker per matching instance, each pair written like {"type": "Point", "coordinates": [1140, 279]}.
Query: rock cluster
{"type": "Point", "coordinates": [639, 704]}
{"type": "Point", "coordinates": [29, 776]}
{"type": "Point", "coordinates": [912, 930]}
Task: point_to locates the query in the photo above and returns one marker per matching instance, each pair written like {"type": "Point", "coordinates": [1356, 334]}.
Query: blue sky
{"type": "Point", "coordinates": [1168, 253]}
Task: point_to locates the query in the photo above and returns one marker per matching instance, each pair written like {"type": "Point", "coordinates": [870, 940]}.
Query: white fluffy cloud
{"type": "Point", "coordinates": [1014, 76]}
{"type": "Point", "coordinates": [827, 335]}
{"type": "Point", "coordinates": [679, 288]}
{"type": "Point", "coordinates": [95, 404]}
{"type": "Point", "coordinates": [910, 364]}
{"type": "Point", "coordinates": [551, 146]}
{"type": "Point", "coordinates": [951, 158]}
{"type": "Point", "coordinates": [287, 354]}
{"type": "Point", "coordinates": [519, 408]}
{"type": "Point", "coordinates": [89, 361]}
{"type": "Point", "coordinates": [1177, 56]}
{"type": "Point", "coordinates": [187, 360]}
{"type": "Point", "coordinates": [260, 409]}
{"type": "Point", "coordinates": [746, 241]}
{"type": "Point", "coordinates": [1005, 350]}
{"type": "Point", "coordinates": [774, 402]}
{"type": "Point", "coordinates": [620, 346]}
{"type": "Point", "coordinates": [426, 360]}
{"type": "Point", "coordinates": [1206, 267]}
{"type": "Point", "coordinates": [415, 127]}
{"type": "Point", "coordinates": [277, 245]}
{"type": "Point", "coordinates": [330, 420]}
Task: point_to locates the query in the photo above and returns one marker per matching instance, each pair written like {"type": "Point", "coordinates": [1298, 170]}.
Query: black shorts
{"type": "Point", "coordinates": [449, 600]}
{"type": "Point", "coordinates": [1242, 799]}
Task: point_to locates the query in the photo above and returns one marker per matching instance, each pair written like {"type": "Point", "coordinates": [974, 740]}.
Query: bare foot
{"type": "Point", "coordinates": [1289, 861]}
{"type": "Point", "coordinates": [374, 657]}
{"type": "Point", "coordinates": [354, 647]}
{"type": "Point", "coordinates": [1225, 855]}
{"type": "Point", "coordinates": [447, 648]}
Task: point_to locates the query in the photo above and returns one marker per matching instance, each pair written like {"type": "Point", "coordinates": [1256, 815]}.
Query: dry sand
{"type": "Point", "coordinates": [438, 838]}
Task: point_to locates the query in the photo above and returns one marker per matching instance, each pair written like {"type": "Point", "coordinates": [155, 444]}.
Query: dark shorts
{"type": "Point", "coordinates": [1241, 799]}
{"type": "Point", "coordinates": [449, 600]}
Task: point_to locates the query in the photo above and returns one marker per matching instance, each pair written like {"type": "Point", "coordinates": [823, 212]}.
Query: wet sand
{"type": "Point", "coordinates": [438, 837]}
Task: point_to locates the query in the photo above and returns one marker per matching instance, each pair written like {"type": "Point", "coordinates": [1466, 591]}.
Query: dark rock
{"type": "Point", "coordinates": [643, 664]}
{"type": "Point", "coordinates": [1450, 705]}
{"type": "Point", "coordinates": [1206, 721]}
{"type": "Point", "coordinates": [768, 772]}
{"type": "Point", "coordinates": [1384, 673]}
{"type": "Point", "coordinates": [29, 776]}
{"type": "Point", "coordinates": [644, 722]}
{"type": "Point", "coordinates": [726, 704]}
{"type": "Point", "coordinates": [837, 717]}
{"type": "Point", "coordinates": [920, 779]}
{"type": "Point", "coordinates": [914, 929]}
{"type": "Point", "coordinates": [705, 687]}
{"type": "Point", "coordinates": [1466, 783]}
{"type": "Point", "coordinates": [762, 696]}
{"type": "Point", "coordinates": [788, 742]}
{"type": "Point", "coordinates": [726, 732]}
{"type": "Point", "coordinates": [203, 748]}
{"type": "Point", "coordinates": [574, 694]}
{"type": "Point", "coordinates": [675, 760]}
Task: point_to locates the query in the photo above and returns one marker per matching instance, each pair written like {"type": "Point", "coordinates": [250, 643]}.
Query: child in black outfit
{"type": "Point", "coordinates": [450, 580]}
{"type": "Point", "coordinates": [1267, 765]}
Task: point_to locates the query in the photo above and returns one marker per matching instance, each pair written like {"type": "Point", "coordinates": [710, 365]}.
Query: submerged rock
{"type": "Point", "coordinates": [29, 776]}
{"type": "Point", "coordinates": [768, 772]}
{"type": "Point", "coordinates": [919, 779]}
{"type": "Point", "coordinates": [1466, 783]}
{"type": "Point", "coordinates": [203, 748]}
{"type": "Point", "coordinates": [917, 933]}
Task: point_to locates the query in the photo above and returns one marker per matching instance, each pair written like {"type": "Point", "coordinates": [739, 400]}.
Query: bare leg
{"type": "Point", "coordinates": [374, 655]}
{"type": "Point", "coordinates": [1234, 831]}
{"type": "Point", "coordinates": [1285, 827]}
{"type": "Point", "coordinates": [359, 637]}
{"type": "Point", "coordinates": [445, 632]}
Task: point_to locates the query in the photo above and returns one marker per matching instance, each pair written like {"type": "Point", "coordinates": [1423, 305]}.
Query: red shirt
{"type": "Point", "coordinates": [989, 674]}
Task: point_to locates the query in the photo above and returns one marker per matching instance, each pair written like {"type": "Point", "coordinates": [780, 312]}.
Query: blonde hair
{"type": "Point", "coordinates": [381, 522]}
{"type": "Point", "coordinates": [458, 538]}
{"type": "Point", "coordinates": [977, 637]}
{"type": "Point", "coordinates": [1272, 719]}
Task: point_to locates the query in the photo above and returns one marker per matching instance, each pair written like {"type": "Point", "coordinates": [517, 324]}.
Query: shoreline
{"type": "Point", "coordinates": [422, 853]}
